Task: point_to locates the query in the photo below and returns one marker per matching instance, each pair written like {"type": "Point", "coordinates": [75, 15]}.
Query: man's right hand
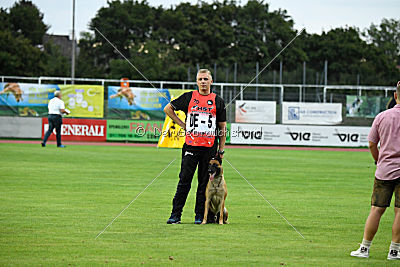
{"type": "Point", "coordinates": [169, 110]}
{"type": "Point", "coordinates": [65, 111]}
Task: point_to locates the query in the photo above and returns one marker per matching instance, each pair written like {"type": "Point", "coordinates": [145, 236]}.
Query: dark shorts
{"type": "Point", "coordinates": [383, 192]}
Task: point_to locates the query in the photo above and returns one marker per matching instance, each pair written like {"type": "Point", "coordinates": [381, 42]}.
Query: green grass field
{"type": "Point", "coordinates": [55, 201]}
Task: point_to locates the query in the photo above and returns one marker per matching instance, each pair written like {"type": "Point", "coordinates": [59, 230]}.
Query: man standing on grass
{"type": "Point", "coordinates": [205, 126]}
{"type": "Point", "coordinates": [56, 109]}
{"type": "Point", "coordinates": [386, 130]}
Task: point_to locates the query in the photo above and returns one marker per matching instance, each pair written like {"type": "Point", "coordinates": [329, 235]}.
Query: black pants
{"type": "Point", "coordinates": [190, 160]}
{"type": "Point", "coordinates": [55, 121]}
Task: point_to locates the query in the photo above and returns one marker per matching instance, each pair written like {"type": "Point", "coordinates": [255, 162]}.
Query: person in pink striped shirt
{"type": "Point", "coordinates": [386, 131]}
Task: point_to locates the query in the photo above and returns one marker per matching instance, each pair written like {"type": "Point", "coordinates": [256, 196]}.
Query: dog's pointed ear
{"type": "Point", "coordinates": [219, 159]}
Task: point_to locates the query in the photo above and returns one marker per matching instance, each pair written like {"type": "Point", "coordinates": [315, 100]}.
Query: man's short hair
{"type": "Point", "coordinates": [204, 71]}
{"type": "Point", "coordinates": [398, 88]}
{"type": "Point", "coordinates": [57, 93]}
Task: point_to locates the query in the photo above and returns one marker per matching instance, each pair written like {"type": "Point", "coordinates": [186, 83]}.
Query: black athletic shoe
{"type": "Point", "coordinates": [198, 219]}
{"type": "Point", "coordinates": [43, 144]}
{"type": "Point", "coordinates": [174, 219]}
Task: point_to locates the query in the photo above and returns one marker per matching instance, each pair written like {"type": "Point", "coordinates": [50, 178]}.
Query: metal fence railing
{"type": "Point", "coordinates": [234, 91]}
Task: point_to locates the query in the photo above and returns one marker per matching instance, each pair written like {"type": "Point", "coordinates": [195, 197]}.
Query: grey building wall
{"type": "Point", "coordinates": [63, 42]}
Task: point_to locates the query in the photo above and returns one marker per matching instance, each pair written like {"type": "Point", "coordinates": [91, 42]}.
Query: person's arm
{"type": "Point", "coordinates": [222, 137]}
{"type": "Point", "coordinates": [169, 110]}
{"type": "Point", "coordinates": [373, 148]}
{"type": "Point", "coordinates": [64, 111]}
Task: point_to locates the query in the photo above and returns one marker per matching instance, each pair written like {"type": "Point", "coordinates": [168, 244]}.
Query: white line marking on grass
{"type": "Point", "coordinates": [280, 214]}
{"type": "Point", "coordinates": [135, 198]}
{"type": "Point", "coordinates": [298, 34]}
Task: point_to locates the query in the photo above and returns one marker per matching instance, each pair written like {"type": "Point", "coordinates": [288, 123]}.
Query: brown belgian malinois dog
{"type": "Point", "coordinates": [216, 193]}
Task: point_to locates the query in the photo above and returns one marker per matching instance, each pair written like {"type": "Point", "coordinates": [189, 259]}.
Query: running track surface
{"type": "Point", "coordinates": [155, 145]}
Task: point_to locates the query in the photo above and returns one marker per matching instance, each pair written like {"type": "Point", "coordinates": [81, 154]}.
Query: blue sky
{"type": "Point", "coordinates": [315, 16]}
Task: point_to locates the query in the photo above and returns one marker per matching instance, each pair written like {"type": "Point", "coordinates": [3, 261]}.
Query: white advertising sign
{"type": "Point", "coordinates": [255, 111]}
{"type": "Point", "coordinates": [264, 134]}
{"type": "Point", "coordinates": [311, 113]}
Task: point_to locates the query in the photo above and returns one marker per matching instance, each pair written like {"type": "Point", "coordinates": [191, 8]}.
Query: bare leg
{"type": "Point", "coordinates": [396, 226]}
{"type": "Point", "coordinates": [372, 223]}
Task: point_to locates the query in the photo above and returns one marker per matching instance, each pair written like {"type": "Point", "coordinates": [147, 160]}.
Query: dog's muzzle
{"type": "Point", "coordinates": [213, 171]}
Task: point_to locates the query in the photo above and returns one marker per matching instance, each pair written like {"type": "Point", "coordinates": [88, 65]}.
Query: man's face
{"type": "Point", "coordinates": [204, 82]}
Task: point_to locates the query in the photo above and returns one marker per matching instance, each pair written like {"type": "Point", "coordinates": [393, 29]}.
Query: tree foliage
{"type": "Point", "coordinates": [186, 35]}
{"type": "Point", "coordinates": [157, 40]}
{"type": "Point", "coordinates": [18, 55]}
{"type": "Point", "coordinates": [386, 36]}
{"type": "Point", "coordinates": [27, 20]}
{"type": "Point", "coordinates": [20, 58]}
{"type": "Point", "coordinates": [56, 64]}
{"type": "Point", "coordinates": [21, 40]}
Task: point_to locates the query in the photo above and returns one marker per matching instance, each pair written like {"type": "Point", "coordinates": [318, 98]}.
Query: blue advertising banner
{"type": "Point", "coordinates": [132, 98]}
{"type": "Point", "coordinates": [135, 103]}
{"type": "Point", "coordinates": [25, 99]}
{"type": "Point", "coordinates": [26, 94]}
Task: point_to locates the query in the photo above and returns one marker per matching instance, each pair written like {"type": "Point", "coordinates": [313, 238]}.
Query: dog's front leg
{"type": "Point", "coordinates": [206, 210]}
{"type": "Point", "coordinates": [206, 206]}
{"type": "Point", "coordinates": [221, 212]}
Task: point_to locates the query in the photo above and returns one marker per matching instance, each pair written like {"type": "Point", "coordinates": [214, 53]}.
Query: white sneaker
{"type": "Point", "coordinates": [362, 252]}
{"type": "Point", "coordinates": [393, 255]}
